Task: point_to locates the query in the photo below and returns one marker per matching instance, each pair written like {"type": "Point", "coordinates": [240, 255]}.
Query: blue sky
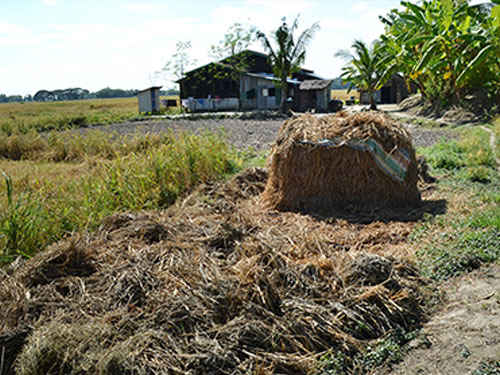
{"type": "Point", "coordinates": [55, 44]}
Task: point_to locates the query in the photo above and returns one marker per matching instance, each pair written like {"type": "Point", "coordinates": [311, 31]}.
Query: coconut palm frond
{"type": "Point", "coordinates": [288, 52]}
{"type": "Point", "coordinates": [304, 39]}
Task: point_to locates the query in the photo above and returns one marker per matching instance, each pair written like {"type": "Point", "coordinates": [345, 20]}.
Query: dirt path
{"type": "Point", "coordinates": [465, 335]}
{"type": "Point", "coordinates": [493, 142]}
{"type": "Point", "coordinates": [258, 134]}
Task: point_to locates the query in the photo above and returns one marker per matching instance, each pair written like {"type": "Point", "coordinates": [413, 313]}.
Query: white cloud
{"type": "Point", "coordinates": [359, 7]}
{"type": "Point", "coordinates": [143, 7]}
{"type": "Point", "coordinates": [9, 29]}
{"type": "Point", "coordinates": [49, 3]}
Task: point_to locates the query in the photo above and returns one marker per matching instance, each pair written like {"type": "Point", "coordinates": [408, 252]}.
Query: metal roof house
{"type": "Point", "coordinates": [242, 81]}
{"type": "Point", "coordinates": [149, 99]}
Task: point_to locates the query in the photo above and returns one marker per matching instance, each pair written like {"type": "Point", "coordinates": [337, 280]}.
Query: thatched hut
{"type": "Point", "coordinates": [324, 163]}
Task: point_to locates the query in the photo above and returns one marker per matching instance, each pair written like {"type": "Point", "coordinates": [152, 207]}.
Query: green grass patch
{"type": "Point", "coordinates": [469, 157]}
{"type": "Point", "coordinates": [387, 350]}
{"type": "Point", "coordinates": [496, 130]}
{"type": "Point", "coordinates": [469, 234]}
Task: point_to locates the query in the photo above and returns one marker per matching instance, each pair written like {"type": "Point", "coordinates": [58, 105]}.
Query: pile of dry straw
{"type": "Point", "coordinates": [309, 177]}
{"type": "Point", "coordinates": [214, 285]}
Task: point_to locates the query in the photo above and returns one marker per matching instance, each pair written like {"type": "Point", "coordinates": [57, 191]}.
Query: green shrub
{"type": "Point", "coordinates": [491, 367]}
{"type": "Point", "coordinates": [389, 349]}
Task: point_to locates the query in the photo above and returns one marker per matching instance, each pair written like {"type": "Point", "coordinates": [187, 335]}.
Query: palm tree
{"type": "Point", "coordinates": [363, 69]}
{"type": "Point", "coordinates": [288, 54]}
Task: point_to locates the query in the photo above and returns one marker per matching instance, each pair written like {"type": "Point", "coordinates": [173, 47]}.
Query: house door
{"type": "Point", "coordinates": [153, 101]}
{"type": "Point", "coordinates": [386, 95]}
{"type": "Point", "coordinates": [262, 93]}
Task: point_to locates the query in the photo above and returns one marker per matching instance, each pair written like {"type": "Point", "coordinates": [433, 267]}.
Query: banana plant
{"type": "Point", "coordinates": [441, 45]}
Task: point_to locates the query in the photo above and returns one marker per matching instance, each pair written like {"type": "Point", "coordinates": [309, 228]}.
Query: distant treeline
{"type": "Point", "coordinates": [75, 94]}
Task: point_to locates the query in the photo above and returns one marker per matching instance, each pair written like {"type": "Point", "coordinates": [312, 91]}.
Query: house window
{"type": "Point", "coordinates": [272, 91]}
{"type": "Point", "coordinates": [251, 94]}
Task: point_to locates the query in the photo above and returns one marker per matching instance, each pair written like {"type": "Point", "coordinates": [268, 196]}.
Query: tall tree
{"type": "Point", "coordinates": [232, 52]}
{"type": "Point", "coordinates": [288, 53]}
{"type": "Point", "coordinates": [237, 38]}
{"type": "Point", "coordinates": [176, 68]}
{"type": "Point", "coordinates": [363, 69]}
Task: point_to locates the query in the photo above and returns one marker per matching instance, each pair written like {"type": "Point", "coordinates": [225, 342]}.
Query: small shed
{"type": "Point", "coordinates": [149, 99]}
{"type": "Point", "coordinates": [314, 94]}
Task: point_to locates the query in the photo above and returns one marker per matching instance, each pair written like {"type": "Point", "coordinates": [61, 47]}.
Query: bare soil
{"type": "Point", "coordinates": [465, 334]}
{"type": "Point", "coordinates": [257, 134]}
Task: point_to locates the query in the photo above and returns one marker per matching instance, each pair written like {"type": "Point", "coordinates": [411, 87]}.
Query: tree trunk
{"type": "Point", "coordinates": [284, 95]}
{"type": "Point", "coordinates": [373, 105]}
{"type": "Point", "coordinates": [421, 87]}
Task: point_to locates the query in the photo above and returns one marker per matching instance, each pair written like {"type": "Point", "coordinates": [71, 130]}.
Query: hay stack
{"type": "Point", "coordinates": [326, 163]}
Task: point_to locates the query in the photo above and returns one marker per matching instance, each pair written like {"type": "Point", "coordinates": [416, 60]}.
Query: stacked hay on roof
{"type": "Point", "coordinates": [332, 162]}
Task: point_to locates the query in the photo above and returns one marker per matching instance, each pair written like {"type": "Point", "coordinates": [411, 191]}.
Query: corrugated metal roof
{"type": "Point", "coordinates": [315, 84]}
{"type": "Point", "coordinates": [149, 88]}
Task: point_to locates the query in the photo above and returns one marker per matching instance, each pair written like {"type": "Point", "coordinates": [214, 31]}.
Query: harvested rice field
{"type": "Point", "coordinates": [222, 282]}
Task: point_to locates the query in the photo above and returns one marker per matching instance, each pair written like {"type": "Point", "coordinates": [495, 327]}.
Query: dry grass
{"type": "Point", "coordinates": [218, 284]}
{"type": "Point", "coordinates": [42, 116]}
{"type": "Point", "coordinates": [344, 95]}
{"type": "Point", "coordinates": [215, 284]}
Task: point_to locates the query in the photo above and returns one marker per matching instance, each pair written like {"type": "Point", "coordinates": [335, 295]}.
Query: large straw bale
{"type": "Point", "coordinates": [305, 175]}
